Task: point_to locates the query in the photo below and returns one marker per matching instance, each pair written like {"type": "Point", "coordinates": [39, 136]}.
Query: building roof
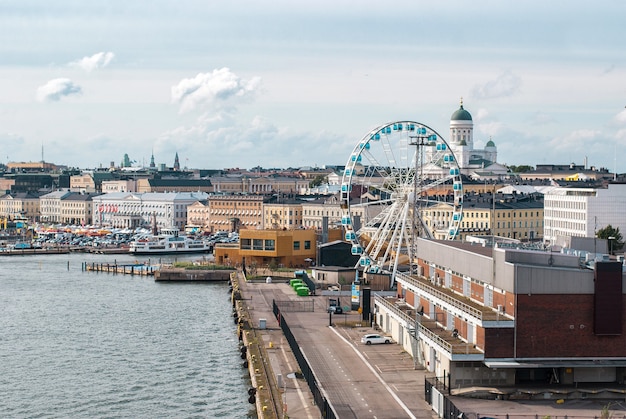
{"type": "Point", "coordinates": [461, 115]}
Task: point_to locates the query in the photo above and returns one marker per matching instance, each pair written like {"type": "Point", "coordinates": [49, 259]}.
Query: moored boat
{"type": "Point", "coordinates": [168, 241]}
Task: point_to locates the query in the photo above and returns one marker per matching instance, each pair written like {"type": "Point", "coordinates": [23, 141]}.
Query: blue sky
{"type": "Point", "coordinates": [282, 83]}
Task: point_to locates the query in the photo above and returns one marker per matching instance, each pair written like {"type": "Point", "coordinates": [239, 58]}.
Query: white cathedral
{"type": "Point", "coordinates": [475, 163]}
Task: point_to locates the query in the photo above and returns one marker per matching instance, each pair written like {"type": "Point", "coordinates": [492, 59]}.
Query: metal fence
{"type": "Point", "coordinates": [292, 306]}
{"type": "Point", "coordinates": [325, 407]}
{"type": "Point", "coordinates": [436, 394]}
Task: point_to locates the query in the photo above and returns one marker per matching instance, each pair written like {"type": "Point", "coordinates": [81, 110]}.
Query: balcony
{"type": "Point", "coordinates": [450, 300]}
{"type": "Point", "coordinates": [430, 331]}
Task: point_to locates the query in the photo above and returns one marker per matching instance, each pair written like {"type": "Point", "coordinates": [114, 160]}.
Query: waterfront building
{"type": "Point", "coordinates": [483, 317]}
{"type": "Point", "coordinates": [76, 209]}
{"type": "Point", "coordinates": [50, 205]}
{"type": "Point", "coordinates": [20, 205]}
{"type": "Point", "coordinates": [198, 216]}
{"type": "Point", "coordinates": [278, 248]}
{"type": "Point", "coordinates": [132, 210]}
{"type": "Point", "coordinates": [581, 212]}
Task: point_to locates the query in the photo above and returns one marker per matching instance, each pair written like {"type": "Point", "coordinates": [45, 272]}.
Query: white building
{"type": "Point", "coordinates": [475, 162]}
{"type": "Point", "coordinates": [132, 210]}
{"type": "Point", "coordinates": [581, 212]}
{"type": "Point", "coordinates": [50, 206]}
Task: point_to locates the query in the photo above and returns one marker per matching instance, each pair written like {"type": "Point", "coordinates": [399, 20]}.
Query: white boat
{"type": "Point", "coordinates": [168, 241]}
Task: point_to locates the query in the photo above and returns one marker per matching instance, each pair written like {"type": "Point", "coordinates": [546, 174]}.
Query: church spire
{"type": "Point", "coordinates": [152, 165]}
{"type": "Point", "coordinates": [176, 162]}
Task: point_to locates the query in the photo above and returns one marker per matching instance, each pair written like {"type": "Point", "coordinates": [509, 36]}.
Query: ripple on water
{"type": "Point", "coordinates": [77, 344]}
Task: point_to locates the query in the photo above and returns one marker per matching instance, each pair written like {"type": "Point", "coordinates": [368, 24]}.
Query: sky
{"type": "Point", "coordinates": [282, 83]}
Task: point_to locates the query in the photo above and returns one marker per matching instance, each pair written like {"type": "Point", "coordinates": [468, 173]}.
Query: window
{"type": "Point", "coordinates": [307, 244]}
{"type": "Point", "coordinates": [296, 245]}
{"type": "Point", "coordinates": [257, 244]}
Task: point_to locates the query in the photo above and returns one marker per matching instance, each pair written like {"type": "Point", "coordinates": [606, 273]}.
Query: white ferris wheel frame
{"type": "Point", "coordinates": [382, 240]}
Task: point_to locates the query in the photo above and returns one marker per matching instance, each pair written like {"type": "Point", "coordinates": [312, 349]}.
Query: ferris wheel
{"type": "Point", "coordinates": [397, 174]}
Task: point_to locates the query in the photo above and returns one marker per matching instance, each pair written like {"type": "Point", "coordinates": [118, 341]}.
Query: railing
{"type": "Point", "coordinates": [411, 322]}
{"type": "Point", "coordinates": [465, 308]}
{"type": "Point", "coordinates": [450, 348]}
{"type": "Point", "coordinates": [326, 409]}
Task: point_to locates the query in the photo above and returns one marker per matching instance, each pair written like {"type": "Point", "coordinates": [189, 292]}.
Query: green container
{"type": "Point", "coordinates": [302, 291]}
{"type": "Point", "coordinates": [296, 284]}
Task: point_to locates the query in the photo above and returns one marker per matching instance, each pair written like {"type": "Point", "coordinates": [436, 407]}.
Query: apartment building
{"type": "Point", "coordinates": [580, 212]}
{"type": "Point", "coordinates": [512, 216]}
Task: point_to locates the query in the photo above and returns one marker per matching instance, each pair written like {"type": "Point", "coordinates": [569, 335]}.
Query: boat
{"type": "Point", "coordinates": [169, 241]}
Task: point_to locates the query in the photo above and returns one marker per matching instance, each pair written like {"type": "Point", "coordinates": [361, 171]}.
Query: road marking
{"type": "Point", "coordinates": [393, 394]}
{"type": "Point", "coordinates": [300, 394]}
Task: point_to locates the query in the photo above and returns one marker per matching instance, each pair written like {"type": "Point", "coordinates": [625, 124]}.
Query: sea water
{"type": "Point", "coordinates": [86, 344]}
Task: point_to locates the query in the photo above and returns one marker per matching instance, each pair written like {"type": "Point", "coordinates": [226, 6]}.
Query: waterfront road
{"type": "Point", "coordinates": [360, 381]}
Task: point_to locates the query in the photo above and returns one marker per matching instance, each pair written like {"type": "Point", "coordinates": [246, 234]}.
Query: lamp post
{"type": "Point", "coordinates": [610, 239]}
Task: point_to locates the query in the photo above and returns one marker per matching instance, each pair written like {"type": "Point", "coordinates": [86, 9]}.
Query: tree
{"type": "Point", "coordinates": [521, 168]}
{"type": "Point", "coordinates": [319, 179]}
{"type": "Point", "coordinates": [613, 236]}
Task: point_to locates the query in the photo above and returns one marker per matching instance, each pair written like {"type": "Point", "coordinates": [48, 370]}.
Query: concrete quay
{"type": "Point", "coordinates": [359, 381]}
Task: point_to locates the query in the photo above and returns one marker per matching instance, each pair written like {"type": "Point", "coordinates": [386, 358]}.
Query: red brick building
{"type": "Point", "coordinates": [511, 317]}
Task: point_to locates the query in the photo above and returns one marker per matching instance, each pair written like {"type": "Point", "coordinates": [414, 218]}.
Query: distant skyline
{"type": "Point", "coordinates": [281, 83]}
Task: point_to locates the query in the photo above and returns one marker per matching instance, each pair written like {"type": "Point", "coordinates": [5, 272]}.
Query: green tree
{"type": "Point", "coordinates": [521, 169]}
{"type": "Point", "coordinates": [613, 236]}
{"type": "Point", "coordinates": [319, 179]}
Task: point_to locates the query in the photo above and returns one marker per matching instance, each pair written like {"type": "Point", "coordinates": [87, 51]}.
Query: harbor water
{"type": "Point", "coordinates": [85, 344]}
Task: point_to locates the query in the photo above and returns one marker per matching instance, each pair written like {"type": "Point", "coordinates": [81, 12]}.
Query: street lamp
{"type": "Point", "coordinates": [610, 239]}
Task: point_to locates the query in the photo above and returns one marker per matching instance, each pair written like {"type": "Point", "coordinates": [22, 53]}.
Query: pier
{"type": "Point", "coordinates": [121, 269]}
{"type": "Point", "coordinates": [192, 275]}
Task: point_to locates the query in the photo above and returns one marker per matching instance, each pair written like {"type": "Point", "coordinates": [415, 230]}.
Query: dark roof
{"type": "Point", "coordinates": [180, 182]}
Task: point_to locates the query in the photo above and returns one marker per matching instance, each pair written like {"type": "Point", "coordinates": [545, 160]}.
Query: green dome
{"type": "Point", "coordinates": [461, 115]}
{"type": "Point", "coordinates": [490, 144]}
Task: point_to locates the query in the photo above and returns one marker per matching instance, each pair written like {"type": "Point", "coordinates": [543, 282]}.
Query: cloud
{"type": "Point", "coordinates": [506, 84]}
{"type": "Point", "coordinates": [98, 60]}
{"type": "Point", "coordinates": [57, 89]}
{"type": "Point", "coordinates": [580, 140]}
{"type": "Point", "coordinates": [232, 143]}
{"type": "Point", "coordinates": [620, 118]}
{"type": "Point", "coordinates": [221, 85]}
{"type": "Point", "coordinates": [541, 118]}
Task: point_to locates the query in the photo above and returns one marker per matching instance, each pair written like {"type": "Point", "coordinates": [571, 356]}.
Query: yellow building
{"type": "Point", "coordinates": [19, 205]}
{"type": "Point", "coordinates": [519, 219]}
{"type": "Point", "coordinates": [278, 248]}
{"type": "Point", "coordinates": [235, 212]}
{"type": "Point", "coordinates": [283, 215]}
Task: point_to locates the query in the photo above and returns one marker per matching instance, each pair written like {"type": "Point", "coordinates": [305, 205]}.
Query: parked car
{"type": "Point", "coordinates": [375, 338]}
{"type": "Point", "coordinates": [335, 309]}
